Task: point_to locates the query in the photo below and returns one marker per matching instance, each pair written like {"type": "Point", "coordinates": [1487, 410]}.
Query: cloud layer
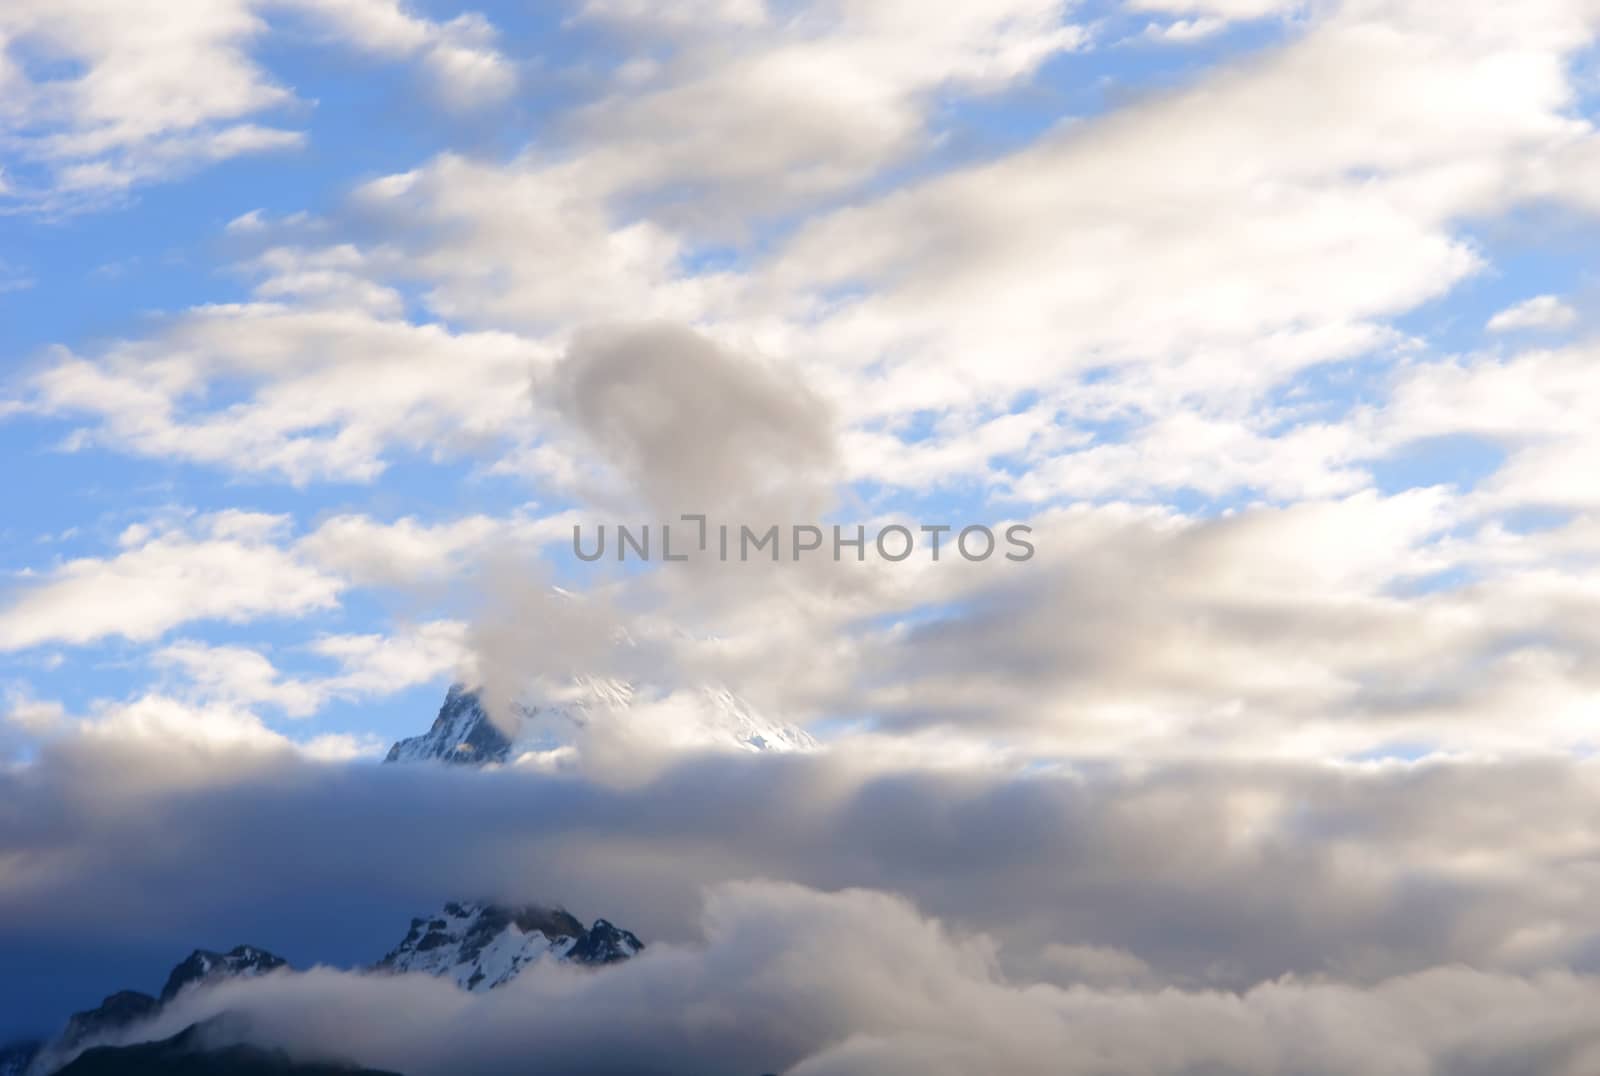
{"type": "Point", "coordinates": [1269, 318]}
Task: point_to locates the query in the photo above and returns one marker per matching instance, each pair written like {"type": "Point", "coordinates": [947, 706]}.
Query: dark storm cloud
{"type": "Point", "coordinates": [1212, 874]}
{"type": "Point", "coordinates": [790, 979]}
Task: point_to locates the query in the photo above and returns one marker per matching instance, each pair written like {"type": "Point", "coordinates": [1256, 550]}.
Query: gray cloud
{"type": "Point", "coordinates": [686, 425]}
{"type": "Point", "coordinates": [121, 856]}
{"type": "Point", "coordinates": [690, 426]}
{"type": "Point", "coordinates": [1323, 629]}
{"type": "Point", "coordinates": [809, 983]}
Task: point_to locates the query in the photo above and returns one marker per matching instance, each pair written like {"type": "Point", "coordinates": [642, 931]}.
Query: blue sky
{"type": "Point", "coordinates": [324, 322]}
{"type": "Point", "coordinates": [94, 271]}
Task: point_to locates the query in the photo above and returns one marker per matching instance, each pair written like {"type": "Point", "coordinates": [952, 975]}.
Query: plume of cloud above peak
{"type": "Point", "coordinates": [692, 427]}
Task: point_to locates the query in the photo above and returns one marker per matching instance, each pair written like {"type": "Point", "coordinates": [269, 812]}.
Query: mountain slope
{"type": "Point", "coordinates": [115, 1012]}
{"type": "Point", "coordinates": [128, 1007]}
{"type": "Point", "coordinates": [188, 1054]}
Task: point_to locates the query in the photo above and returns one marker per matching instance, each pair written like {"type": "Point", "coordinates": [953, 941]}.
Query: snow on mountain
{"type": "Point", "coordinates": [737, 720]}
{"type": "Point", "coordinates": [711, 718]}
{"type": "Point", "coordinates": [477, 946]}
{"type": "Point", "coordinates": [204, 966]}
{"type": "Point", "coordinates": [482, 946]}
{"type": "Point", "coordinates": [461, 733]}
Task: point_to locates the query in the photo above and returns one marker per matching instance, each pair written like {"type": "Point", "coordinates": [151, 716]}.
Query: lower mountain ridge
{"type": "Point", "coordinates": [478, 946]}
{"type": "Point", "coordinates": [190, 1053]}
{"type": "Point", "coordinates": [482, 946]}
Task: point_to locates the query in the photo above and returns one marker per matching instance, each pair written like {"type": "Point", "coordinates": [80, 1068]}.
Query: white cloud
{"type": "Point", "coordinates": [469, 71]}
{"type": "Point", "coordinates": [1546, 312]}
{"type": "Point", "coordinates": [1172, 302]}
{"type": "Point", "coordinates": [551, 255]}
{"type": "Point", "coordinates": [750, 116]}
{"type": "Point", "coordinates": [239, 676]}
{"type": "Point", "coordinates": [31, 715]}
{"type": "Point", "coordinates": [407, 552]}
{"type": "Point", "coordinates": [1193, 251]}
{"type": "Point", "coordinates": [220, 732]}
{"type": "Point", "coordinates": [156, 89]}
{"type": "Point", "coordinates": [225, 566]}
{"type": "Point", "coordinates": [1541, 408]}
{"type": "Point", "coordinates": [253, 221]}
{"type": "Point", "coordinates": [1185, 30]}
{"type": "Point", "coordinates": [1080, 319]}
{"type": "Point", "coordinates": [376, 665]}
{"type": "Point", "coordinates": [335, 388]}
{"type": "Point", "coordinates": [241, 566]}
{"type": "Point", "coordinates": [460, 53]}
{"type": "Point", "coordinates": [682, 17]}
{"type": "Point", "coordinates": [794, 108]}
{"type": "Point", "coordinates": [1226, 9]}
{"type": "Point", "coordinates": [370, 666]}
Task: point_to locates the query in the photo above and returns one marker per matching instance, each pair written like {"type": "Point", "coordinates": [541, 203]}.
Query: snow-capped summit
{"type": "Point", "coordinates": [461, 733]}
{"type": "Point", "coordinates": [737, 721]}
{"type": "Point", "coordinates": [481, 946]}
{"type": "Point", "coordinates": [204, 966]}
{"type": "Point", "coordinates": [712, 717]}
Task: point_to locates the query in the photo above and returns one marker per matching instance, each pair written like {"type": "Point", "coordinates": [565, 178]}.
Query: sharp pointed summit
{"type": "Point", "coordinates": [463, 732]}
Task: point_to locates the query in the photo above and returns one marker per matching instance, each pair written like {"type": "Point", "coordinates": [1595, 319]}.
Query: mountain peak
{"type": "Point", "coordinates": [462, 733]}
{"type": "Point", "coordinates": [713, 717]}
{"type": "Point", "coordinates": [203, 965]}
{"type": "Point", "coordinates": [482, 946]}
{"type": "Point", "coordinates": [605, 944]}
